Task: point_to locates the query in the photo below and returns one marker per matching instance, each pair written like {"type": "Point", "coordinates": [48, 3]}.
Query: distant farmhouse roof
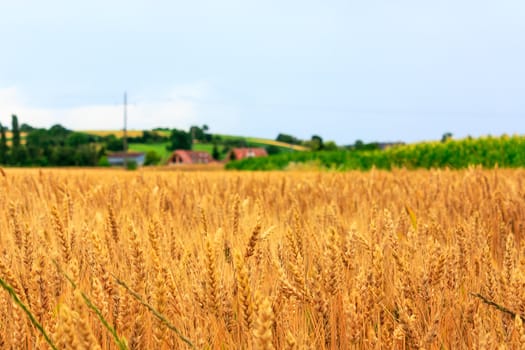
{"type": "Point", "coordinates": [247, 152]}
{"type": "Point", "coordinates": [119, 158]}
{"type": "Point", "coordinates": [190, 157]}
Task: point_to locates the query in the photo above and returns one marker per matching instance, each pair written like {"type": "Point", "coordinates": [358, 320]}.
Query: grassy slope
{"type": "Point", "coordinates": [206, 147]}
{"type": "Point", "coordinates": [276, 143]}
{"type": "Point", "coordinates": [261, 142]}
{"type": "Point", "coordinates": [253, 140]}
{"type": "Point", "coordinates": [160, 148]}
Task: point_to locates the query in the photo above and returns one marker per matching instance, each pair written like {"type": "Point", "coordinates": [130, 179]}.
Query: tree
{"type": "Point", "coordinates": [271, 149]}
{"type": "Point", "coordinates": [62, 156]}
{"type": "Point", "coordinates": [215, 152]}
{"type": "Point", "coordinates": [179, 139]}
{"type": "Point", "coordinates": [226, 150]}
{"type": "Point", "coordinates": [56, 146]}
{"type": "Point", "coordinates": [152, 158]}
{"type": "Point", "coordinates": [196, 133]}
{"type": "Point", "coordinates": [58, 131]}
{"type": "Point", "coordinates": [359, 144]}
{"type": "Point", "coordinates": [288, 139]}
{"type": "Point", "coordinates": [330, 146]}
{"type": "Point", "coordinates": [18, 153]}
{"type": "Point", "coordinates": [3, 145]}
{"type": "Point", "coordinates": [26, 128]}
{"type": "Point", "coordinates": [114, 144]}
{"type": "Point", "coordinates": [446, 136]}
{"type": "Point", "coordinates": [85, 155]}
{"type": "Point", "coordinates": [206, 138]}
{"type": "Point", "coordinates": [76, 139]}
{"type": "Point", "coordinates": [316, 143]}
{"type": "Point", "coordinates": [199, 133]}
{"type": "Point", "coordinates": [103, 161]}
{"type": "Point", "coordinates": [151, 137]}
{"type": "Point", "coordinates": [16, 131]}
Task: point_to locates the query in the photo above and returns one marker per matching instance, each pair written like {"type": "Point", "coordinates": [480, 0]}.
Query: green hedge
{"type": "Point", "coordinates": [504, 151]}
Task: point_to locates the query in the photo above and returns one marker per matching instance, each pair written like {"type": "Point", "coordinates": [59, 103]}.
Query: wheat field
{"type": "Point", "coordinates": [293, 260]}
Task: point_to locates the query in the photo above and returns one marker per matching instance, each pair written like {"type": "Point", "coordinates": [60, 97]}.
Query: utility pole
{"type": "Point", "coordinates": [125, 137]}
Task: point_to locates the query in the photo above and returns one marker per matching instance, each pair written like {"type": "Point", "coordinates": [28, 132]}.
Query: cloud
{"type": "Point", "coordinates": [11, 102]}
{"type": "Point", "coordinates": [179, 107]}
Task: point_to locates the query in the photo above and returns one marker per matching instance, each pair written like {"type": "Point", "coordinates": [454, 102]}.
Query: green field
{"type": "Point", "coordinates": [205, 147]}
{"type": "Point", "coordinates": [260, 142]}
{"type": "Point", "coordinates": [160, 148]}
{"type": "Point", "coordinates": [208, 147]}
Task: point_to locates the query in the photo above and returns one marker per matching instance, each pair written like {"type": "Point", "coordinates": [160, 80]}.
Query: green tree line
{"type": "Point", "coordinates": [56, 146]}
{"type": "Point", "coordinates": [504, 151]}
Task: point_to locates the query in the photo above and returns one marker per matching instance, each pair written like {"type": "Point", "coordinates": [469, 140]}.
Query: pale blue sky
{"type": "Point", "coordinates": [372, 70]}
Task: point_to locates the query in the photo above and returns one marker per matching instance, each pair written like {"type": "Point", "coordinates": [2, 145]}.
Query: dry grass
{"type": "Point", "coordinates": [264, 260]}
{"type": "Point", "coordinates": [117, 133]}
{"type": "Point", "coordinates": [9, 136]}
{"type": "Point", "coordinates": [278, 144]}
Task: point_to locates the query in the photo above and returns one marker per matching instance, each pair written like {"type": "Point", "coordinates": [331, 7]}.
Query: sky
{"type": "Point", "coordinates": [370, 70]}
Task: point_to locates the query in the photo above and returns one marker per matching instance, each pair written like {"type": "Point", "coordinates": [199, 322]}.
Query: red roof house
{"type": "Point", "coordinates": [190, 157]}
{"type": "Point", "coordinates": [247, 152]}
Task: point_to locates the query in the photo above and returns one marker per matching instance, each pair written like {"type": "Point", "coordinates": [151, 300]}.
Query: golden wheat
{"type": "Point", "coordinates": [393, 260]}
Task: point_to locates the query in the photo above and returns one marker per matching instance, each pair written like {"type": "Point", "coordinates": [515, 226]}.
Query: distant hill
{"type": "Point", "coordinates": [225, 142]}
{"type": "Point", "coordinates": [250, 140]}
{"type": "Point", "coordinates": [59, 146]}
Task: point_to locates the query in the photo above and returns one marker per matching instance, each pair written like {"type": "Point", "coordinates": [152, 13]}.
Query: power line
{"type": "Point", "coordinates": [125, 138]}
